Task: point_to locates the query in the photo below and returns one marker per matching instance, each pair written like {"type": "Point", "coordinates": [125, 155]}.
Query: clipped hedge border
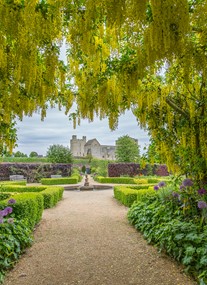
{"type": "Point", "coordinates": [15, 182]}
{"type": "Point", "coordinates": [59, 181]}
{"type": "Point", "coordinates": [118, 180]}
{"type": "Point", "coordinates": [127, 180]}
{"type": "Point", "coordinates": [52, 195]}
{"type": "Point", "coordinates": [30, 205]}
{"type": "Point", "coordinates": [21, 189]}
{"type": "Point", "coordinates": [127, 195]}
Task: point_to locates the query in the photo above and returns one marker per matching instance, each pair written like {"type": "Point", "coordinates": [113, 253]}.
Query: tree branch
{"type": "Point", "coordinates": [177, 108]}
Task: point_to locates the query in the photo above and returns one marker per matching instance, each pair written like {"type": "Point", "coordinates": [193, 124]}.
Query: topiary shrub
{"type": "Point", "coordinates": [118, 180]}
{"type": "Point", "coordinates": [52, 195]}
{"type": "Point", "coordinates": [18, 182]}
{"type": "Point", "coordinates": [127, 195]}
{"type": "Point", "coordinates": [59, 181]}
{"type": "Point", "coordinates": [21, 189]}
{"type": "Point", "coordinates": [28, 206]}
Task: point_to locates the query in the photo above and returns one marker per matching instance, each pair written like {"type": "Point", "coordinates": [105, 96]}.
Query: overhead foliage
{"type": "Point", "coordinates": [146, 55]}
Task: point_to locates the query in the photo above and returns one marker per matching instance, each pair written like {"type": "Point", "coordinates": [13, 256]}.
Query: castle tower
{"type": "Point", "coordinates": [77, 146]}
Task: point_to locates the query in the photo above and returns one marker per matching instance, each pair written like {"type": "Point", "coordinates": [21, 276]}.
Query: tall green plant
{"type": "Point", "coordinates": [127, 149]}
{"type": "Point", "coordinates": [59, 154]}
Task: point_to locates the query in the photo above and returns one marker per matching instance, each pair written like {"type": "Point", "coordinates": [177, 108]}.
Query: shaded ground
{"type": "Point", "coordinates": [86, 240]}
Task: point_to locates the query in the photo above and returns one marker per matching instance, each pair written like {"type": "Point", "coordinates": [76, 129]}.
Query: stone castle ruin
{"type": "Point", "coordinates": [83, 148]}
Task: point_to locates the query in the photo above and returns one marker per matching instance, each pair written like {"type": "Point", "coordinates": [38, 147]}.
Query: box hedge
{"type": "Point", "coordinates": [118, 180]}
{"type": "Point", "coordinates": [16, 182]}
{"type": "Point", "coordinates": [30, 204]}
{"type": "Point", "coordinates": [19, 189]}
{"type": "Point", "coordinates": [59, 181]}
{"type": "Point", "coordinates": [127, 195]}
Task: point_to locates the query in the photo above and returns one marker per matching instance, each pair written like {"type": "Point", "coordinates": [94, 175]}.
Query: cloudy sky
{"type": "Point", "coordinates": [35, 135]}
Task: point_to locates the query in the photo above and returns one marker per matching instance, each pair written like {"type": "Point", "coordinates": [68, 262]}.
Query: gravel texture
{"type": "Point", "coordinates": [86, 240]}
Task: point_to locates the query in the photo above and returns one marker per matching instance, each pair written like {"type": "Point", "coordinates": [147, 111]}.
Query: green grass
{"type": "Point", "coordinates": [25, 159]}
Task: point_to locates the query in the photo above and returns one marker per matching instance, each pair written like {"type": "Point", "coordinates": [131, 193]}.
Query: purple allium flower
{"type": "Point", "coordinates": [202, 191]}
{"type": "Point", "coordinates": [1, 220]}
{"type": "Point", "coordinates": [202, 204]}
{"type": "Point", "coordinates": [187, 182]}
{"type": "Point", "coordinates": [156, 187]}
{"type": "Point", "coordinates": [11, 201]}
{"type": "Point", "coordinates": [10, 221]}
{"type": "Point", "coordinates": [8, 210]}
{"type": "Point", "coordinates": [175, 194]}
{"type": "Point", "coordinates": [162, 184]}
{"type": "Point", "coordinates": [3, 213]}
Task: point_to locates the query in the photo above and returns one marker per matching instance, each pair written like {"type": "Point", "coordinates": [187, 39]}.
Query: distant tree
{"type": "Point", "coordinates": [33, 154]}
{"type": "Point", "coordinates": [152, 154]}
{"type": "Point", "coordinates": [59, 154]}
{"type": "Point", "coordinates": [20, 154]}
{"type": "Point", "coordinates": [127, 150]}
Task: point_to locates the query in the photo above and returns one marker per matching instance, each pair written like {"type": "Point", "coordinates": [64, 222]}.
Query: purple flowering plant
{"type": "Point", "coordinates": [6, 211]}
{"type": "Point", "coordinates": [187, 182]}
{"type": "Point", "coordinates": [202, 205]}
{"type": "Point", "coordinates": [202, 191]}
{"type": "Point", "coordinates": [162, 184]}
{"type": "Point", "coordinates": [156, 187]}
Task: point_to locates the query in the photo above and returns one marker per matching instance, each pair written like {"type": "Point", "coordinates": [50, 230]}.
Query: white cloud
{"type": "Point", "coordinates": [35, 135]}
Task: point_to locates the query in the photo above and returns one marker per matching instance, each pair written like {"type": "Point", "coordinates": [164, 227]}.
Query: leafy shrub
{"type": "Point", "coordinates": [33, 171]}
{"type": "Point", "coordinates": [4, 196]}
{"type": "Point", "coordinates": [118, 180]}
{"type": "Point", "coordinates": [59, 154]}
{"type": "Point", "coordinates": [76, 174]}
{"type": "Point", "coordinates": [52, 195]}
{"type": "Point", "coordinates": [14, 239]}
{"type": "Point", "coordinates": [133, 169]}
{"type": "Point", "coordinates": [18, 182]}
{"type": "Point", "coordinates": [176, 221]}
{"type": "Point", "coordinates": [138, 187]}
{"type": "Point", "coordinates": [59, 181]}
{"type": "Point", "coordinates": [127, 195]}
{"type": "Point", "coordinates": [30, 204]}
{"type": "Point", "coordinates": [153, 180]}
{"type": "Point", "coordinates": [26, 212]}
{"type": "Point", "coordinates": [141, 181]}
{"type": "Point", "coordinates": [21, 189]}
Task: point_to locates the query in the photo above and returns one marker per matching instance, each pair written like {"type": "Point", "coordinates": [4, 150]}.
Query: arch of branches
{"type": "Point", "coordinates": [149, 56]}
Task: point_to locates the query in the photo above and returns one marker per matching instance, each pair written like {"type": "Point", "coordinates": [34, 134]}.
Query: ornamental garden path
{"type": "Point", "coordinates": [86, 240]}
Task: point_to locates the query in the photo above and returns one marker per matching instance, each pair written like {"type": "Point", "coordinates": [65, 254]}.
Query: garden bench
{"type": "Point", "coordinates": [17, 177]}
{"type": "Point", "coordinates": [56, 176]}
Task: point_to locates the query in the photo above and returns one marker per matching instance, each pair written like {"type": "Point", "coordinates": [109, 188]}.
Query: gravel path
{"type": "Point", "coordinates": [86, 240]}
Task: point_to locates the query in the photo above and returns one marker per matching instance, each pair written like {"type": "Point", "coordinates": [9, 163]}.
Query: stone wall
{"type": "Point", "coordinates": [33, 172]}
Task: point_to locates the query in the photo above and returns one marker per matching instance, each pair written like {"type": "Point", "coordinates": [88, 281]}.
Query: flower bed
{"type": "Point", "coordinates": [20, 211]}
{"type": "Point", "coordinates": [175, 219]}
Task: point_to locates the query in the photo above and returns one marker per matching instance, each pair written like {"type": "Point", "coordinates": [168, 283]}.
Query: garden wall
{"type": "Point", "coordinates": [133, 169]}
{"type": "Point", "coordinates": [33, 172]}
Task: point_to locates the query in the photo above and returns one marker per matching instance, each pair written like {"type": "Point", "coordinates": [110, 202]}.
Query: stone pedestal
{"type": "Point", "coordinates": [86, 186]}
